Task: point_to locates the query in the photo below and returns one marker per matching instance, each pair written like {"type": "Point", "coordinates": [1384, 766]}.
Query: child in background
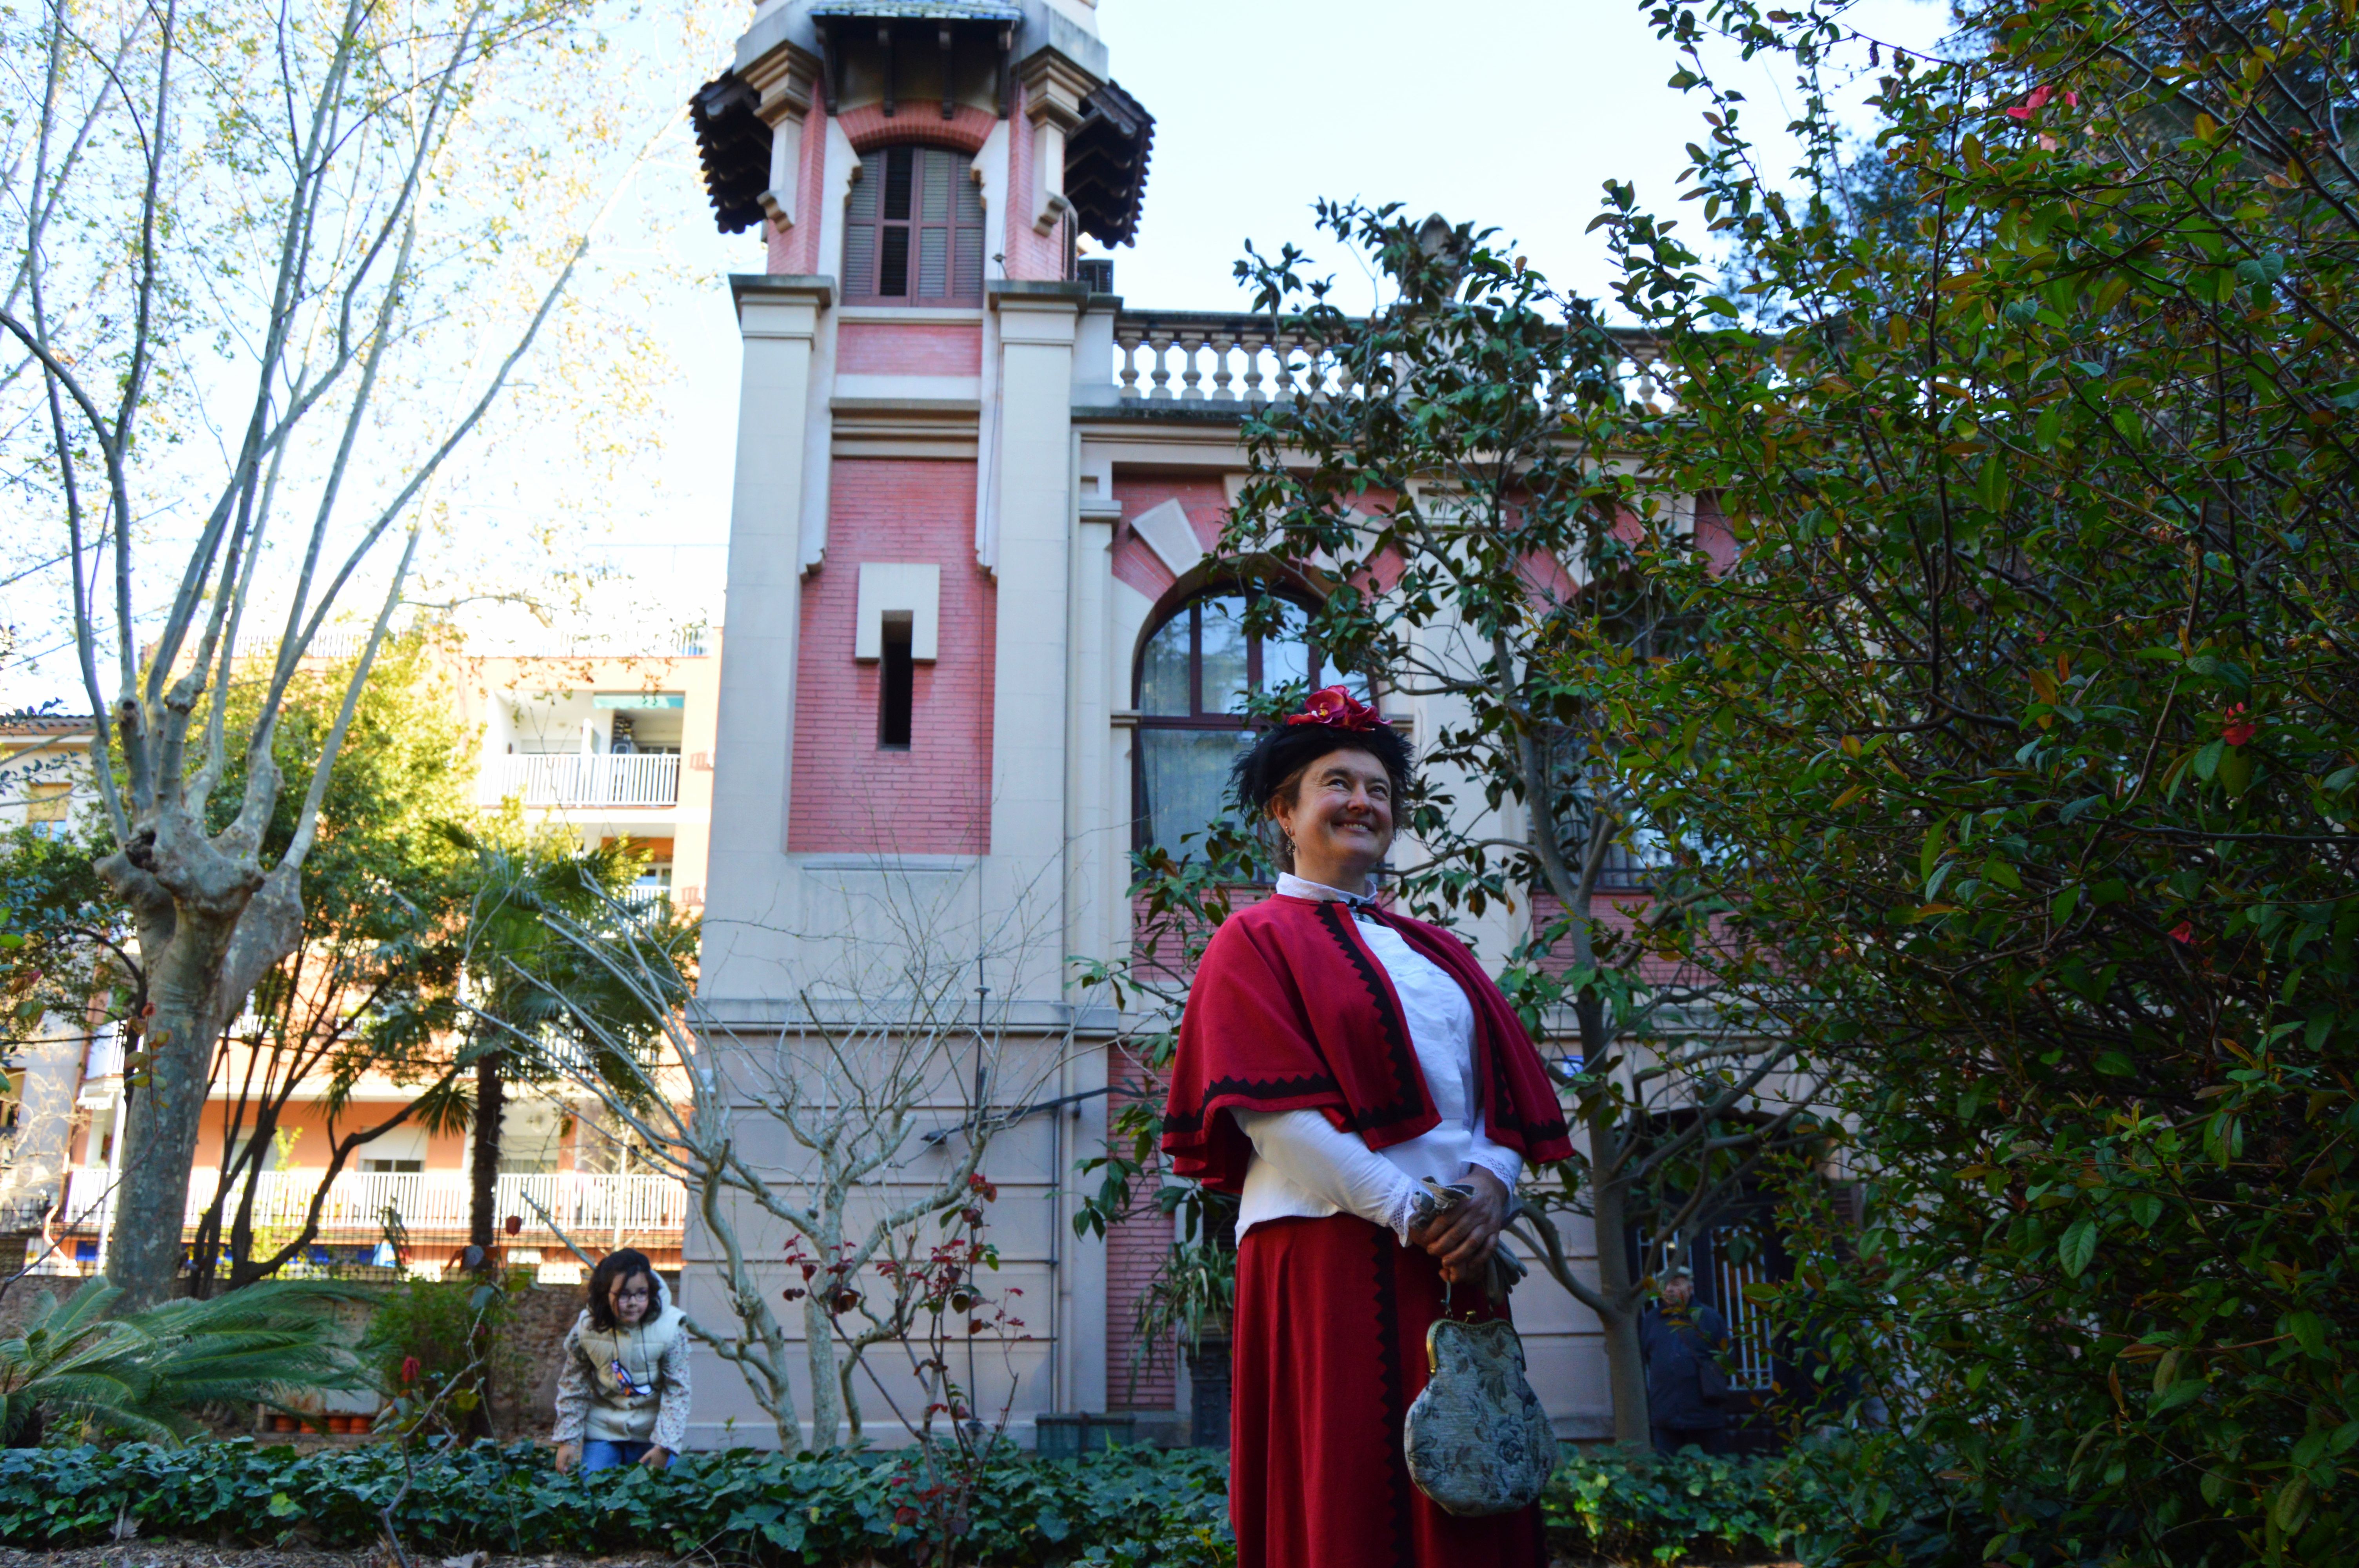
{"type": "Point", "coordinates": [622, 1391]}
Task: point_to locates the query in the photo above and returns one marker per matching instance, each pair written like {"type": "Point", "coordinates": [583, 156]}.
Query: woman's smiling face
{"type": "Point", "coordinates": [1339, 818]}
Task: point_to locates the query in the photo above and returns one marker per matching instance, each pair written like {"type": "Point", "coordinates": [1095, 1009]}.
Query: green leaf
{"type": "Point", "coordinates": [2078, 1247]}
{"type": "Point", "coordinates": [2309, 1331]}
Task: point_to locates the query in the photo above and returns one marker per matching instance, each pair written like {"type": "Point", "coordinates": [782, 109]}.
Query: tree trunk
{"type": "Point", "coordinates": [483, 1220]}
{"type": "Point", "coordinates": [210, 924]}
{"type": "Point", "coordinates": [1626, 1362]}
{"type": "Point", "coordinates": [166, 1113]}
{"type": "Point", "coordinates": [491, 1100]}
{"type": "Point", "coordinates": [818, 1344]}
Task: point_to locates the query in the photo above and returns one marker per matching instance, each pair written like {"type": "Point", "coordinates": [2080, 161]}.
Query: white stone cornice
{"type": "Point", "coordinates": [785, 78]}
{"type": "Point", "coordinates": [779, 305]}
{"type": "Point", "coordinates": [1053, 89]}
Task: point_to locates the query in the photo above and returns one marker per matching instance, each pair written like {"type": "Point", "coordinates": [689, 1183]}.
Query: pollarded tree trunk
{"type": "Point", "coordinates": [210, 924]}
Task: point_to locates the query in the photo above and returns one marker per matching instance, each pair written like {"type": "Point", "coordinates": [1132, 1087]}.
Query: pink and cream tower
{"type": "Point", "coordinates": [978, 651]}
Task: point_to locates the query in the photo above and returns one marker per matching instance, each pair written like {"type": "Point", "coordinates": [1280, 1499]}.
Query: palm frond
{"type": "Point", "coordinates": [140, 1375]}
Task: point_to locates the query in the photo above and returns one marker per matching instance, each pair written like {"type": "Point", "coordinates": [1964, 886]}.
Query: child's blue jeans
{"type": "Point", "coordinates": [597, 1453]}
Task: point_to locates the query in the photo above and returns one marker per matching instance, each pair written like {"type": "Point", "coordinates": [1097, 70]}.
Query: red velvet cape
{"type": "Point", "coordinates": [1289, 1011]}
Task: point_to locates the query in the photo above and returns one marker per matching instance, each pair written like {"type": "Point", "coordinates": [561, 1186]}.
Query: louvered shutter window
{"type": "Point", "coordinates": [913, 230]}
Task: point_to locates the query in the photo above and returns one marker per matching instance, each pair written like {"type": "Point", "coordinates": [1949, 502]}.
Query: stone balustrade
{"type": "Point", "coordinates": [1218, 358]}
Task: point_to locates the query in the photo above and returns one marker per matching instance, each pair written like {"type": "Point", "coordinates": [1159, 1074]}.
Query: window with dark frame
{"type": "Point", "coordinates": [1194, 674]}
{"type": "Point", "coordinates": [913, 230]}
{"type": "Point", "coordinates": [895, 684]}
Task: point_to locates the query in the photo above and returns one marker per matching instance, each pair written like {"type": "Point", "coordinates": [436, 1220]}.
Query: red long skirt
{"type": "Point", "coordinates": [1329, 1350]}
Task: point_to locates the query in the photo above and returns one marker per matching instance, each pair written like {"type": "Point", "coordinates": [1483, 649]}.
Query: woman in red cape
{"type": "Point", "coordinates": [1333, 1057]}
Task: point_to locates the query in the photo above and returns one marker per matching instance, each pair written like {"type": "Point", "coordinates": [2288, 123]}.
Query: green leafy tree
{"type": "Point", "coordinates": [371, 989]}
{"type": "Point", "coordinates": [2031, 700]}
{"type": "Point", "coordinates": [269, 271]}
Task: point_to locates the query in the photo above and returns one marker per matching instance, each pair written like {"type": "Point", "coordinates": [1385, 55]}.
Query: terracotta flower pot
{"type": "Point", "coordinates": [282, 1423]}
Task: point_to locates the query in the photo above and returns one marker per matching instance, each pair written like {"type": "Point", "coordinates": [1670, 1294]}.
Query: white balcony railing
{"type": "Point", "coordinates": [645, 779]}
{"type": "Point", "coordinates": [589, 1206]}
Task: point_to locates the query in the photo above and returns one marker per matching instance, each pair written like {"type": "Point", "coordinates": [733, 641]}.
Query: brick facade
{"type": "Point", "coordinates": [908, 348]}
{"type": "Point", "coordinates": [1030, 255]}
{"type": "Point", "coordinates": [850, 797]}
{"type": "Point", "coordinates": [1206, 501]}
{"type": "Point", "coordinates": [1136, 1247]}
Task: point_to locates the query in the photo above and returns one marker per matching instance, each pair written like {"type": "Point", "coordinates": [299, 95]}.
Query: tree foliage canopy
{"type": "Point", "coordinates": [2027, 710]}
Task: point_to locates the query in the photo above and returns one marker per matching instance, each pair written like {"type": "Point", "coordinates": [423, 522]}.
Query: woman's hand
{"type": "Point", "coordinates": [568, 1454]}
{"type": "Point", "coordinates": [1463, 1241]}
{"type": "Point", "coordinates": [656, 1458]}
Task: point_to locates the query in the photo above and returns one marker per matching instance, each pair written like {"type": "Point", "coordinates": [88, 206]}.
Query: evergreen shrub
{"type": "Point", "coordinates": [1130, 1509]}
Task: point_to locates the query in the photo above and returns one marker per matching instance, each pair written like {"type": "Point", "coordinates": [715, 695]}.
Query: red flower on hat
{"type": "Point", "coordinates": [1337, 709]}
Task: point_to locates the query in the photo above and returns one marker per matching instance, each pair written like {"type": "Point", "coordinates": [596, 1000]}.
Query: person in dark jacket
{"type": "Point", "coordinates": [1685, 1382]}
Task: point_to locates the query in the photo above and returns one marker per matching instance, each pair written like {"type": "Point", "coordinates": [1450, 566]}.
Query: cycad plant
{"type": "Point", "coordinates": [72, 1368]}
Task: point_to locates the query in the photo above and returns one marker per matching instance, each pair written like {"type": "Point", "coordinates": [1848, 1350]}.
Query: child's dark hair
{"type": "Point", "coordinates": [620, 1264]}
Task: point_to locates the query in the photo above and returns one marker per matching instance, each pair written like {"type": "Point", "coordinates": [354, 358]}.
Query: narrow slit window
{"type": "Point", "coordinates": [895, 684]}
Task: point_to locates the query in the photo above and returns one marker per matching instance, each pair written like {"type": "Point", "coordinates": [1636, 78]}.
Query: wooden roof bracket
{"type": "Point", "coordinates": [831, 74]}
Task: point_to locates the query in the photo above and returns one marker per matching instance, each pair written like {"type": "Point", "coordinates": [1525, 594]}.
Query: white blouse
{"type": "Point", "coordinates": [1303, 1166]}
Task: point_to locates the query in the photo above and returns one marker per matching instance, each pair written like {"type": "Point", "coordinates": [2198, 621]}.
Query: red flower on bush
{"type": "Point", "coordinates": [409, 1366]}
{"type": "Point", "coordinates": [2183, 933]}
{"type": "Point", "coordinates": [2039, 99]}
{"type": "Point", "coordinates": [2239, 728]}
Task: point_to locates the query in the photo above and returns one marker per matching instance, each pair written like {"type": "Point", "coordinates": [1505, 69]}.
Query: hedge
{"type": "Point", "coordinates": [1127, 1509]}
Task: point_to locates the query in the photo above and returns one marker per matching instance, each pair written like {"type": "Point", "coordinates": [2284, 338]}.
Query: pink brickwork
{"type": "Point", "coordinates": [797, 251]}
{"type": "Point", "coordinates": [1029, 256]}
{"type": "Point", "coordinates": [1206, 501]}
{"type": "Point", "coordinates": [923, 124]}
{"type": "Point", "coordinates": [1136, 1247]}
{"type": "Point", "coordinates": [1617, 911]}
{"type": "Point", "coordinates": [849, 796]}
{"type": "Point", "coordinates": [1713, 533]}
{"type": "Point", "coordinates": [908, 348]}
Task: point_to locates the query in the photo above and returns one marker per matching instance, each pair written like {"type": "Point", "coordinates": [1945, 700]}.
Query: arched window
{"type": "Point", "coordinates": [1194, 674]}
{"type": "Point", "coordinates": [913, 230]}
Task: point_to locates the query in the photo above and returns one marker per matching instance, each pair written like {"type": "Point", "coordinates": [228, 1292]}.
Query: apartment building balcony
{"type": "Point", "coordinates": [595, 1211]}
{"type": "Point", "coordinates": [574, 780]}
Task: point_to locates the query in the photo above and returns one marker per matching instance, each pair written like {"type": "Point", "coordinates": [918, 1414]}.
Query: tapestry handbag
{"type": "Point", "coordinates": [1477, 1441]}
